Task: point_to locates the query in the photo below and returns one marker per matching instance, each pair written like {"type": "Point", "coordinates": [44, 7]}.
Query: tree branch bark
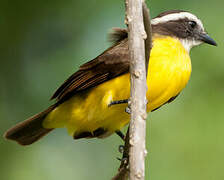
{"type": "Point", "coordinates": [137, 132]}
{"type": "Point", "coordinates": [140, 44]}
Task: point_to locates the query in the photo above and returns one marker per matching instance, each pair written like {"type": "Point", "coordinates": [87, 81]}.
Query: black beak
{"type": "Point", "coordinates": [207, 39]}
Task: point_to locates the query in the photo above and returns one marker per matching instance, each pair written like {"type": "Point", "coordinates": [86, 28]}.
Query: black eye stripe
{"type": "Point", "coordinates": [181, 28]}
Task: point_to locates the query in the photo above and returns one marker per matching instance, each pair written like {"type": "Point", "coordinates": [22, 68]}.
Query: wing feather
{"type": "Point", "coordinates": [110, 64]}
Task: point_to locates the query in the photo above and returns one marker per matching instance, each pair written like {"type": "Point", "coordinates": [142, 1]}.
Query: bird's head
{"type": "Point", "coordinates": [182, 25]}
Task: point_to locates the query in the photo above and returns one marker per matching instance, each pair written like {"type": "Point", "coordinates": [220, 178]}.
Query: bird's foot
{"type": "Point", "coordinates": [128, 110]}
{"type": "Point", "coordinates": [123, 160]}
{"type": "Point", "coordinates": [121, 149]}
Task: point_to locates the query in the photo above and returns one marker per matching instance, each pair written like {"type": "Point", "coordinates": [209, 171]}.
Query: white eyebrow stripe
{"type": "Point", "coordinates": [176, 16]}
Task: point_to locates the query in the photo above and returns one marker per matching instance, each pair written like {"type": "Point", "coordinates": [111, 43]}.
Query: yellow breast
{"type": "Point", "coordinates": [168, 73]}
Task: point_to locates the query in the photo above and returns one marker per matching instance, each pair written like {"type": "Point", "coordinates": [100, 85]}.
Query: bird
{"type": "Point", "coordinates": [87, 103]}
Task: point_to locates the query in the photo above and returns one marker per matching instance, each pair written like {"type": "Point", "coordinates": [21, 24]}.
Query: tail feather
{"type": "Point", "coordinates": [30, 130]}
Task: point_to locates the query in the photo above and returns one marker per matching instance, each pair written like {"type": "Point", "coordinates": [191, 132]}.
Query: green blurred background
{"type": "Point", "coordinates": [43, 42]}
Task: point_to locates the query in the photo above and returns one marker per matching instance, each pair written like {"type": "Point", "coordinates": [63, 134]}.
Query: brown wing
{"type": "Point", "coordinates": [111, 63]}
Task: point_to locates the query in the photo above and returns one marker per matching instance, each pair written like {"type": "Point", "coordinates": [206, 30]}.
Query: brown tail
{"type": "Point", "coordinates": [30, 130]}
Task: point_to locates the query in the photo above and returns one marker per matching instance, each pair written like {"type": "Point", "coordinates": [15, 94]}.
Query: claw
{"type": "Point", "coordinates": [121, 148]}
{"type": "Point", "coordinates": [124, 160]}
{"type": "Point", "coordinates": [128, 110]}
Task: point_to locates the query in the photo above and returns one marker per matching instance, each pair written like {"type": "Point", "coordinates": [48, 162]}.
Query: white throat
{"type": "Point", "coordinates": [189, 43]}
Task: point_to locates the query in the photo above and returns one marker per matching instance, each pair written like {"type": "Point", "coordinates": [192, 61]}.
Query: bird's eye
{"type": "Point", "coordinates": [192, 24]}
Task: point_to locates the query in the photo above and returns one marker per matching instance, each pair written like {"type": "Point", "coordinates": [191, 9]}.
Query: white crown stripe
{"type": "Point", "coordinates": [176, 16]}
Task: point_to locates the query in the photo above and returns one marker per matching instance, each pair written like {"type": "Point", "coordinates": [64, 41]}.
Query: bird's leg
{"type": "Point", "coordinates": [124, 101]}
{"type": "Point", "coordinates": [121, 135]}
{"type": "Point", "coordinates": [118, 102]}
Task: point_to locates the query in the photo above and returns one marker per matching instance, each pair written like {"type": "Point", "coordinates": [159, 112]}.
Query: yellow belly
{"type": "Point", "coordinates": [168, 73]}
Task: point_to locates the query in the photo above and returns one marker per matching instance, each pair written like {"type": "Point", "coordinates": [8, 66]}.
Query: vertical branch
{"type": "Point", "coordinates": [137, 132]}
{"type": "Point", "coordinates": [148, 29]}
{"type": "Point", "coordinates": [140, 44]}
